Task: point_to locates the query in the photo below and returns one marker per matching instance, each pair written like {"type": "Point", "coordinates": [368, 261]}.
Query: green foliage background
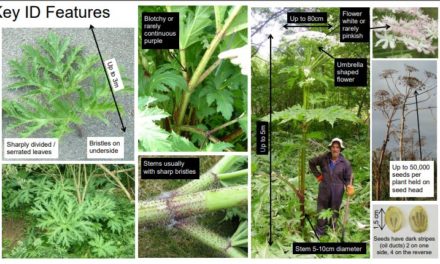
{"type": "Point", "coordinates": [60, 86]}
{"type": "Point", "coordinates": [221, 97]}
{"type": "Point", "coordinates": [301, 71]}
{"type": "Point", "coordinates": [59, 224]}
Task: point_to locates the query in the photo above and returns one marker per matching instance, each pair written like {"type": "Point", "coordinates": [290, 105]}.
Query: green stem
{"type": "Point", "coordinates": [212, 131]}
{"type": "Point", "coordinates": [203, 62]}
{"type": "Point", "coordinates": [117, 180]}
{"type": "Point", "coordinates": [210, 177]}
{"type": "Point", "coordinates": [179, 207]}
{"type": "Point", "coordinates": [200, 132]}
{"type": "Point", "coordinates": [218, 22]}
{"type": "Point", "coordinates": [233, 175]}
{"type": "Point", "coordinates": [208, 72]}
{"type": "Point", "coordinates": [212, 239]}
{"type": "Point", "coordinates": [183, 62]}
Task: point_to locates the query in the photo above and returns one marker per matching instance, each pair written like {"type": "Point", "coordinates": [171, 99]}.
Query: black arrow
{"type": "Point", "coordinates": [270, 140]}
{"type": "Point", "coordinates": [382, 224]}
{"type": "Point", "coordinates": [321, 49]}
{"type": "Point", "coordinates": [178, 61]}
{"type": "Point", "coordinates": [286, 26]}
{"type": "Point", "coordinates": [386, 27]}
{"type": "Point", "coordinates": [108, 79]}
{"type": "Point", "coordinates": [418, 124]}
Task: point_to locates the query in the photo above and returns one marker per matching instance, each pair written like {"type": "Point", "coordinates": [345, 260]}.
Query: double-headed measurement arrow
{"type": "Point", "coordinates": [286, 26]}
{"type": "Point", "coordinates": [108, 79]}
{"type": "Point", "coordinates": [321, 49]}
{"type": "Point", "coordinates": [382, 223]}
{"type": "Point", "coordinates": [386, 27]}
{"type": "Point", "coordinates": [270, 140]}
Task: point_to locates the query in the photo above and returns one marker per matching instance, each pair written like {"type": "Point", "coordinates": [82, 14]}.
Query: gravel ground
{"type": "Point", "coordinates": [113, 43]}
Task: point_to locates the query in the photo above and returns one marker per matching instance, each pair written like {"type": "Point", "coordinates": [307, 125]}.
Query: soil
{"type": "Point", "coordinates": [13, 231]}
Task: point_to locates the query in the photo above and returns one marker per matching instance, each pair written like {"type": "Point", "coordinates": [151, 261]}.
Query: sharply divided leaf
{"type": "Point", "coordinates": [151, 136]}
{"type": "Point", "coordinates": [192, 25]}
{"type": "Point", "coordinates": [224, 101]}
{"type": "Point", "coordinates": [61, 86]}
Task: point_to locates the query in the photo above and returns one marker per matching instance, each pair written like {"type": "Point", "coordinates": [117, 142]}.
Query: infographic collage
{"type": "Point", "coordinates": [190, 131]}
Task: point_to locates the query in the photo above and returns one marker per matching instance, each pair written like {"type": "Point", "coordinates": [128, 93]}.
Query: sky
{"type": "Point", "coordinates": [428, 119]}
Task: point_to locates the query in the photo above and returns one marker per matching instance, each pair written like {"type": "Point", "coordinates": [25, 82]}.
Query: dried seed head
{"type": "Point", "coordinates": [394, 218]}
{"type": "Point", "coordinates": [430, 75]}
{"type": "Point", "coordinates": [387, 73]}
{"type": "Point", "coordinates": [412, 82]}
{"type": "Point", "coordinates": [409, 68]}
{"type": "Point", "coordinates": [418, 218]}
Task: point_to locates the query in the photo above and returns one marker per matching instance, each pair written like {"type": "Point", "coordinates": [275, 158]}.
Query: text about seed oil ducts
{"type": "Point", "coordinates": [412, 179]}
{"type": "Point", "coordinates": [170, 168]}
{"type": "Point", "coordinates": [405, 231]}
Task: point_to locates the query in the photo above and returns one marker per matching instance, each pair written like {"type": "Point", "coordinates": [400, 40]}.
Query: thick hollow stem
{"type": "Point", "coordinates": [179, 207]}
{"type": "Point", "coordinates": [210, 177]}
{"type": "Point", "coordinates": [212, 239]}
{"type": "Point", "coordinates": [233, 175]}
{"type": "Point", "coordinates": [203, 62]}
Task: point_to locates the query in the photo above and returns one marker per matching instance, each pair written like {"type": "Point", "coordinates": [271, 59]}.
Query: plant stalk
{"type": "Point", "coordinates": [233, 175]}
{"type": "Point", "coordinates": [179, 207]}
{"type": "Point", "coordinates": [210, 177]}
{"type": "Point", "coordinates": [203, 62]}
{"type": "Point", "coordinates": [118, 181]}
{"type": "Point", "coordinates": [212, 239]}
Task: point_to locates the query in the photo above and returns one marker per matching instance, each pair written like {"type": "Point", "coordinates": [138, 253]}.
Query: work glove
{"type": "Point", "coordinates": [319, 178]}
{"type": "Point", "coordinates": [239, 56]}
{"type": "Point", "coordinates": [350, 190]}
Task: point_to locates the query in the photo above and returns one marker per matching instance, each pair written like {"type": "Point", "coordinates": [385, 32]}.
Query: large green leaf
{"type": "Point", "coordinates": [151, 136]}
{"type": "Point", "coordinates": [166, 79]}
{"type": "Point", "coordinates": [298, 113]}
{"type": "Point", "coordinates": [193, 25]}
{"type": "Point", "coordinates": [63, 86]}
{"type": "Point", "coordinates": [224, 101]}
{"type": "Point", "coordinates": [239, 23]}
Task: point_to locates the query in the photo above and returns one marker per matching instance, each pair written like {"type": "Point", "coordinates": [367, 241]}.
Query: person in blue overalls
{"type": "Point", "coordinates": [333, 174]}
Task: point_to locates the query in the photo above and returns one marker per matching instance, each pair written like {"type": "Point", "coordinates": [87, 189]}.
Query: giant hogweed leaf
{"type": "Point", "coordinates": [220, 12]}
{"type": "Point", "coordinates": [101, 248]}
{"type": "Point", "coordinates": [179, 143]}
{"type": "Point", "coordinates": [298, 113]}
{"type": "Point", "coordinates": [63, 222]}
{"type": "Point", "coordinates": [193, 24]}
{"type": "Point", "coordinates": [239, 23]}
{"type": "Point", "coordinates": [62, 87]}
{"type": "Point", "coordinates": [151, 136]}
{"type": "Point", "coordinates": [166, 79]}
{"type": "Point", "coordinates": [224, 101]}
{"type": "Point", "coordinates": [218, 147]}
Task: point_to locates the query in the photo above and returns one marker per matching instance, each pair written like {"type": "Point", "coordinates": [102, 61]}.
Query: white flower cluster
{"type": "Point", "coordinates": [318, 36]}
{"type": "Point", "coordinates": [416, 33]}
